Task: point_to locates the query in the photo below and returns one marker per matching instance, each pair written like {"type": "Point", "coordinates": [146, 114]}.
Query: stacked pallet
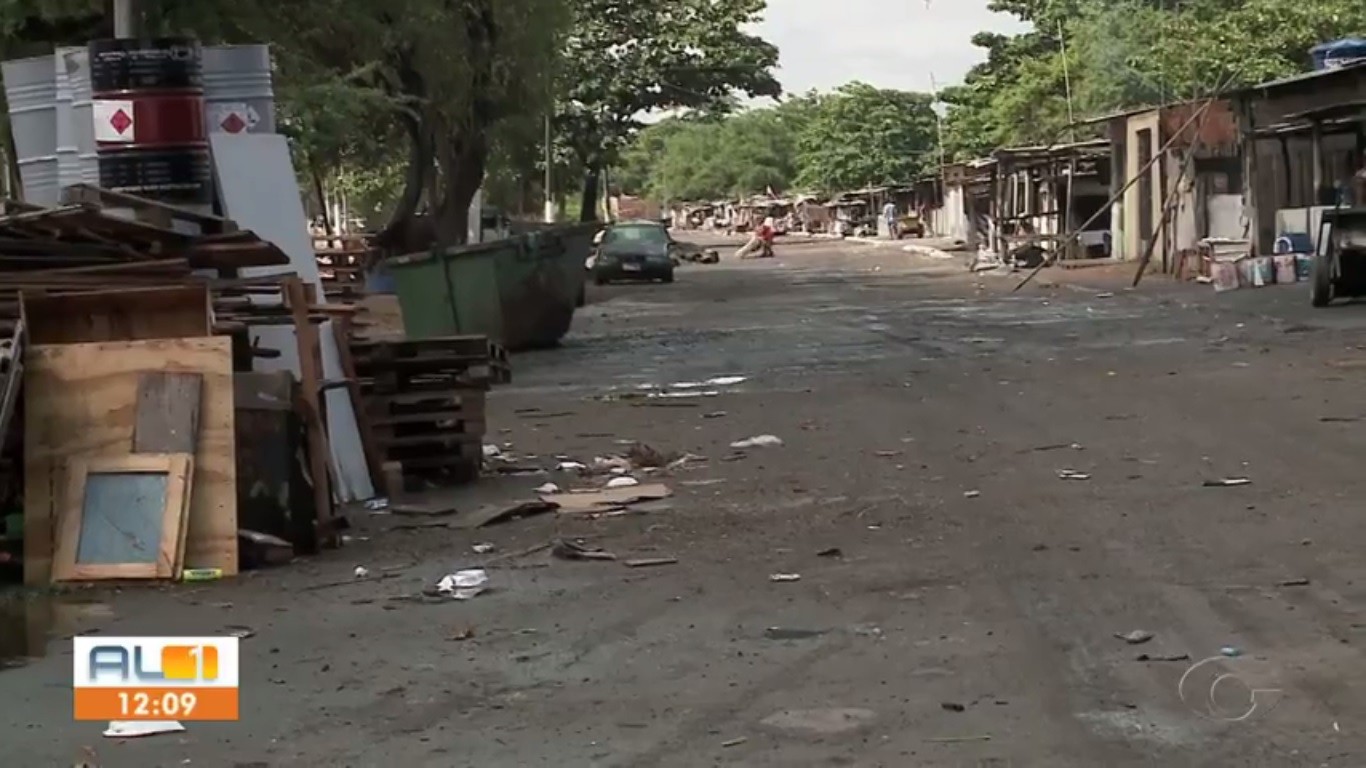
{"type": "Point", "coordinates": [424, 403]}
{"type": "Point", "coordinates": [342, 261]}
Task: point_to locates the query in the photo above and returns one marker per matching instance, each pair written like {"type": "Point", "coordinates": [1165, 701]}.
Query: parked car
{"type": "Point", "coordinates": [910, 225]}
{"type": "Point", "coordinates": [634, 250]}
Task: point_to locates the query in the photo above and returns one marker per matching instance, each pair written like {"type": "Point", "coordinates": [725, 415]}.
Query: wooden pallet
{"type": "Point", "coordinates": [429, 432]}
{"type": "Point", "coordinates": [399, 365]}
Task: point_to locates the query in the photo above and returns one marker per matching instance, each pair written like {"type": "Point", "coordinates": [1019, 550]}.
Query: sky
{"type": "Point", "coordinates": [888, 43]}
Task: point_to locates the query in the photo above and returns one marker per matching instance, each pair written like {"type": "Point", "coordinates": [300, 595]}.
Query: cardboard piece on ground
{"type": "Point", "coordinates": [428, 509]}
{"type": "Point", "coordinates": [124, 518]}
{"type": "Point", "coordinates": [79, 404]}
{"type": "Point", "coordinates": [258, 190]}
{"type": "Point", "coordinates": [498, 513]}
{"type": "Point", "coordinates": [576, 502]}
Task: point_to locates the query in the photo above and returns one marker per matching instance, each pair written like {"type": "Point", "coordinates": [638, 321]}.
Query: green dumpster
{"type": "Point", "coordinates": [520, 292]}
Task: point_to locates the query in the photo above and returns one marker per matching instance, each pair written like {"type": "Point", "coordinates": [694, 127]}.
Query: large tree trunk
{"type": "Point", "coordinates": [588, 210]}
{"type": "Point", "coordinates": [462, 159]}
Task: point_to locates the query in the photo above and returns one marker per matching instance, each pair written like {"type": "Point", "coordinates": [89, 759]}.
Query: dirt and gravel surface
{"type": "Point", "coordinates": [959, 603]}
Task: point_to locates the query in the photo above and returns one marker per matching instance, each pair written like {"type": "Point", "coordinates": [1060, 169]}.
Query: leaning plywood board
{"type": "Point", "coordinates": [81, 403]}
{"type": "Point", "coordinates": [257, 188]}
{"type": "Point", "coordinates": [123, 517]}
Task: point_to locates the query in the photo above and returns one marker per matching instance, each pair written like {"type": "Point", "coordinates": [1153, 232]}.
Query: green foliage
{"type": "Point", "coordinates": [624, 59]}
{"type": "Point", "coordinates": [849, 138]}
{"type": "Point", "coordinates": [1125, 53]}
{"type": "Point", "coordinates": [861, 135]}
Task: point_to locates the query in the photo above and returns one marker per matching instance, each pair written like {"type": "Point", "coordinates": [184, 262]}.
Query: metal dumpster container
{"type": "Point", "coordinates": [520, 292]}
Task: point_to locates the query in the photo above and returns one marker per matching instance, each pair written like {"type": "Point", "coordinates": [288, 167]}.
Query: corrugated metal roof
{"type": "Point", "coordinates": [1304, 77]}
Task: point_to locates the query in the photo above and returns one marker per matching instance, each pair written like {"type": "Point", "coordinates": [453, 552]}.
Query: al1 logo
{"type": "Point", "coordinates": [155, 678]}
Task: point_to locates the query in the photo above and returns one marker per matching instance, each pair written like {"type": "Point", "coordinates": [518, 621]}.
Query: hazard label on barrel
{"type": "Point", "coordinates": [114, 120]}
{"type": "Point", "coordinates": [232, 117]}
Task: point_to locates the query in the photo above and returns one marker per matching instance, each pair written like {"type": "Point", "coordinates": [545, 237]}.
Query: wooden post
{"type": "Point", "coordinates": [367, 433]}
{"type": "Point", "coordinates": [1316, 161]}
{"type": "Point", "coordinates": [1158, 155]}
{"type": "Point", "coordinates": [310, 381]}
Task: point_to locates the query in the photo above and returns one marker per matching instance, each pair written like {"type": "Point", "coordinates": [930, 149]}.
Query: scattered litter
{"type": "Point", "coordinates": [735, 742]}
{"type": "Point", "coordinates": [1228, 482]}
{"type": "Point", "coordinates": [1105, 295]}
{"type": "Point", "coordinates": [464, 633]}
{"type": "Point", "coordinates": [548, 488]}
{"type": "Point", "coordinates": [684, 460]}
{"type": "Point", "coordinates": [792, 633]}
{"type": "Point", "coordinates": [725, 381]}
{"type": "Point", "coordinates": [483, 548]}
{"type": "Point", "coordinates": [971, 494]}
{"type": "Point", "coordinates": [1072, 474]}
{"type": "Point", "coordinates": [377, 505]}
{"type": "Point", "coordinates": [1295, 583]}
{"type": "Point", "coordinates": [758, 441]}
{"type": "Point", "coordinates": [430, 509]}
{"type": "Point", "coordinates": [784, 577]}
{"type": "Point", "coordinates": [241, 632]}
{"type": "Point", "coordinates": [567, 549]}
{"type": "Point", "coordinates": [256, 549]}
{"type": "Point", "coordinates": [714, 415]}
{"type": "Point", "coordinates": [499, 513]}
{"type": "Point", "coordinates": [649, 562]}
{"type": "Point", "coordinates": [642, 455]}
{"type": "Point", "coordinates": [957, 739]}
{"type": "Point", "coordinates": [1136, 637]}
{"type": "Point", "coordinates": [622, 482]}
{"type": "Point", "coordinates": [831, 552]}
{"type": "Point", "coordinates": [866, 630]}
{"type": "Point", "coordinates": [704, 482]}
{"type": "Point", "coordinates": [1231, 651]}
{"type": "Point", "coordinates": [492, 452]}
{"type": "Point", "coordinates": [611, 464]}
{"type": "Point", "coordinates": [577, 502]}
{"type": "Point", "coordinates": [952, 706]}
{"type": "Point", "coordinates": [886, 454]}
{"type": "Point", "coordinates": [571, 466]}
{"type": "Point", "coordinates": [1055, 447]}
{"type": "Point", "coordinates": [361, 572]}
{"type": "Point", "coordinates": [1163, 657]}
{"type": "Point", "coordinates": [132, 729]}
{"type": "Point", "coordinates": [463, 585]}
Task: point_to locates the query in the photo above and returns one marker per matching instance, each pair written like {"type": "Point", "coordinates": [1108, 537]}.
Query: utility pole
{"type": "Point", "coordinates": [549, 199]}
{"type": "Point", "coordinates": [126, 18]}
{"type": "Point", "coordinates": [939, 128]}
{"type": "Point", "coordinates": [1067, 84]}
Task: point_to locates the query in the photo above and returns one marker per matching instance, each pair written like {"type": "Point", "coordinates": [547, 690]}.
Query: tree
{"type": "Point", "coordinates": [861, 135]}
{"type": "Point", "coordinates": [1126, 53]}
{"type": "Point", "coordinates": [623, 59]}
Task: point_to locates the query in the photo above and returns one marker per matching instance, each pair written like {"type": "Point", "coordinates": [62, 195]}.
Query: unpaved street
{"type": "Point", "coordinates": [958, 600]}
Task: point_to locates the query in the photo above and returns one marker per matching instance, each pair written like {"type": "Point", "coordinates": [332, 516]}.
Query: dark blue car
{"type": "Point", "coordinates": [634, 250]}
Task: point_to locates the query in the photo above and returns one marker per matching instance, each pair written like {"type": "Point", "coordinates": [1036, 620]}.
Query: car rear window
{"type": "Point", "coordinates": [636, 235]}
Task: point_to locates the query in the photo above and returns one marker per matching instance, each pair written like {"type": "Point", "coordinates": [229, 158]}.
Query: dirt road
{"type": "Point", "coordinates": [958, 603]}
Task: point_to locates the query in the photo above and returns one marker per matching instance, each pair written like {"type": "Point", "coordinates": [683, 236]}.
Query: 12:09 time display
{"type": "Point", "coordinates": [176, 704]}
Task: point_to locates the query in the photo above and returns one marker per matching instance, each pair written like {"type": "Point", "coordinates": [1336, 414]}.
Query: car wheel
{"type": "Point", "coordinates": [668, 277]}
{"type": "Point", "coordinates": [599, 280]}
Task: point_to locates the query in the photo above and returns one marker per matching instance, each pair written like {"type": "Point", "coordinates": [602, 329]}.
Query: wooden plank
{"type": "Point", "coordinates": [122, 315]}
{"type": "Point", "coordinates": [367, 434]}
{"type": "Point", "coordinates": [116, 535]}
{"type": "Point", "coordinates": [167, 416]}
{"type": "Point", "coordinates": [310, 385]}
{"type": "Point", "coordinates": [12, 379]}
{"type": "Point", "coordinates": [79, 404]}
{"type": "Point", "coordinates": [106, 198]}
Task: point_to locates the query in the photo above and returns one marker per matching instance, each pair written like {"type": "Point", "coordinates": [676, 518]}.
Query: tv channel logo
{"type": "Point", "coordinates": [155, 678]}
